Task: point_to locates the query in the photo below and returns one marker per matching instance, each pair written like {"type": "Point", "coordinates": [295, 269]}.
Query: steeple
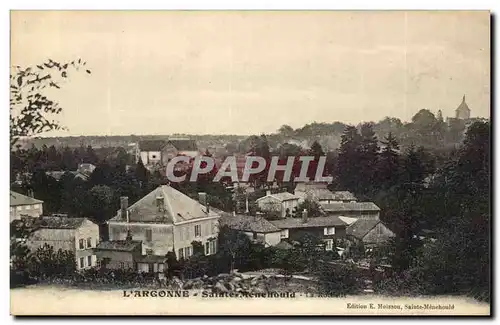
{"type": "Point", "coordinates": [463, 110]}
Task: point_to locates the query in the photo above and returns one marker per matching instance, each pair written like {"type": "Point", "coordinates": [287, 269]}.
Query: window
{"type": "Point", "coordinates": [149, 251]}
{"type": "Point", "coordinates": [328, 244]}
{"type": "Point", "coordinates": [329, 231]}
{"type": "Point", "coordinates": [197, 231]}
{"type": "Point", "coordinates": [161, 267]}
{"type": "Point", "coordinates": [36, 206]}
{"type": "Point", "coordinates": [149, 235]}
{"type": "Point", "coordinates": [284, 233]}
{"type": "Point", "coordinates": [89, 242]}
{"type": "Point", "coordinates": [181, 253]}
{"type": "Point", "coordinates": [27, 207]}
{"type": "Point", "coordinates": [89, 260]}
{"type": "Point", "coordinates": [19, 208]}
{"type": "Point", "coordinates": [188, 251]}
{"type": "Point", "coordinates": [207, 248]}
{"type": "Point", "coordinates": [81, 244]}
{"type": "Point", "coordinates": [98, 264]}
{"type": "Point", "coordinates": [213, 247]}
{"type": "Point", "coordinates": [82, 262]}
{"type": "Point", "coordinates": [122, 265]}
{"type": "Point", "coordinates": [254, 235]}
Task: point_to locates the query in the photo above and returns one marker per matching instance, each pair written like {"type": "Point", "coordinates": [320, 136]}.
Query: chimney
{"type": "Point", "coordinates": [268, 192]}
{"type": "Point", "coordinates": [160, 203]}
{"type": "Point", "coordinates": [124, 207]}
{"type": "Point", "coordinates": [202, 198]}
{"type": "Point", "coordinates": [304, 216]}
{"type": "Point", "coordinates": [30, 193]}
{"type": "Point", "coordinates": [129, 236]}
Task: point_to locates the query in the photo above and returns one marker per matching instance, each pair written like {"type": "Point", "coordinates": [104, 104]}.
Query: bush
{"type": "Point", "coordinates": [338, 280]}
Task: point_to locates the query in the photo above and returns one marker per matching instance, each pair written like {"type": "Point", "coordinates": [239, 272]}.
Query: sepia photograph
{"type": "Point", "coordinates": [250, 163]}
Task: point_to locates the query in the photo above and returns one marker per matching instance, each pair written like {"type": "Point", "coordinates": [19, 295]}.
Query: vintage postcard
{"type": "Point", "coordinates": [250, 163]}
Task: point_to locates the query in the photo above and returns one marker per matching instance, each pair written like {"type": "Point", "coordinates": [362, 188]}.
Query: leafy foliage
{"type": "Point", "coordinates": [30, 109]}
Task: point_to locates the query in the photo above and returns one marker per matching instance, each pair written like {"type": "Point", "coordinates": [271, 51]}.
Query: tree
{"type": "Point", "coordinates": [233, 244]}
{"type": "Point", "coordinates": [100, 205]}
{"type": "Point", "coordinates": [316, 150]}
{"type": "Point", "coordinates": [30, 109]}
{"type": "Point", "coordinates": [312, 207]}
{"type": "Point", "coordinates": [286, 130]}
{"type": "Point", "coordinates": [369, 154]}
{"type": "Point", "coordinates": [347, 168]}
{"type": "Point", "coordinates": [141, 173]}
{"type": "Point", "coordinates": [389, 166]}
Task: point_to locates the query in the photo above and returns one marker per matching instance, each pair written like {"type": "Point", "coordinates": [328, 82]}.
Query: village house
{"type": "Point", "coordinates": [371, 232]}
{"type": "Point", "coordinates": [83, 172]}
{"type": "Point", "coordinates": [118, 254]}
{"type": "Point", "coordinates": [150, 152]}
{"type": "Point", "coordinates": [155, 153]}
{"type": "Point", "coordinates": [78, 235]}
{"type": "Point", "coordinates": [258, 229]}
{"type": "Point", "coordinates": [167, 220]}
{"type": "Point", "coordinates": [181, 147]}
{"type": "Point", "coordinates": [127, 255]}
{"type": "Point", "coordinates": [327, 229]}
{"type": "Point", "coordinates": [319, 193]}
{"type": "Point", "coordinates": [363, 210]}
{"type": "Point", "coordinates": [281, 205]}
{"type": "Point", "coordinates": [22, 205]}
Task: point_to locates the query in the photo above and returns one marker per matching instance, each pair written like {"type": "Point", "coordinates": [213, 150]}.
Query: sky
{"type": "Point", "coordinates": [202, 72]}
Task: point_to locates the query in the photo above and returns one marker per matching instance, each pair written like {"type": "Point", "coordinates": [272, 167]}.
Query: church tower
{"type": "Point", "coordinates": [463, 111]}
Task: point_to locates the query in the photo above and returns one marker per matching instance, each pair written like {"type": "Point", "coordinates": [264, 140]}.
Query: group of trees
{"type": "Point", "coordinates": [425, 129]}
{"type": "Point", "coordinates": [455, 256]}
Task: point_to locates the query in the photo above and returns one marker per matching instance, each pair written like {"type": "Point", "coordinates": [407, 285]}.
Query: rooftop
{"type": "Point", "coordinates": [350, 206]}
{"type": "Point", "coordinates": [54, 222]}
{"type": "Point", "coordinates": [184, 144]}
{"type": "Point", "coordinates": [151, 145]}
{"type": "Point", "coordinates": [20, 199]}
{"type": "Point", "coordinates": [174, 207]}
{"type": "Point", "coordinates": [311, 222]}
{"type": "Point", "coordinates": [362, 227]}
{"type": "Point", "coordinates": [463, 106]}
{"type": "Point", "coordinates": [283, 196]}
{"type": "Point", "coordinates": [120, 245]}
{"type": "Point", "coordinates": [248, 223]}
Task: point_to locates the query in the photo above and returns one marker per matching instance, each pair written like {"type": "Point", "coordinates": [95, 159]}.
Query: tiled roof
{"type": "Point", "coordinates": [176, 207]}
{"type": "Point", "coordinates": [284, 245]}
{"type": "Point", "coordinates": [184, 144]}
{"type": "Point", "coordinates": [283, 196]}
{"type": "Point", "coordinates": [304, 187]}
{"type": "Point", "coordinates": [311, 222]}
{"type": "Point", "coordinates": [151, 145]}
{"type": "Point", "coordinates": [319, 191]}
{"type": "Point", "coordinates": [348, 220]}
{"type": "Point", "coordinates": [20, 199]}
{"type": "Point", "coordinates": [120, 245]}
{"type": "Point", "coordinates": [151, 259]}
{"type": "Point", "coordinates": [248, 223]}
{"type": "Point", "coordinates": [58, 222]}
{"type": "Point", "coordinates": [360, 228]}
{"type": "Point", "coordinates": [350, 206]}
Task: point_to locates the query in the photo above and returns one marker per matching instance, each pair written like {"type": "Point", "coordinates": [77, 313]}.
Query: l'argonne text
{"type": "Point", "coordinates": [203, 294]}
